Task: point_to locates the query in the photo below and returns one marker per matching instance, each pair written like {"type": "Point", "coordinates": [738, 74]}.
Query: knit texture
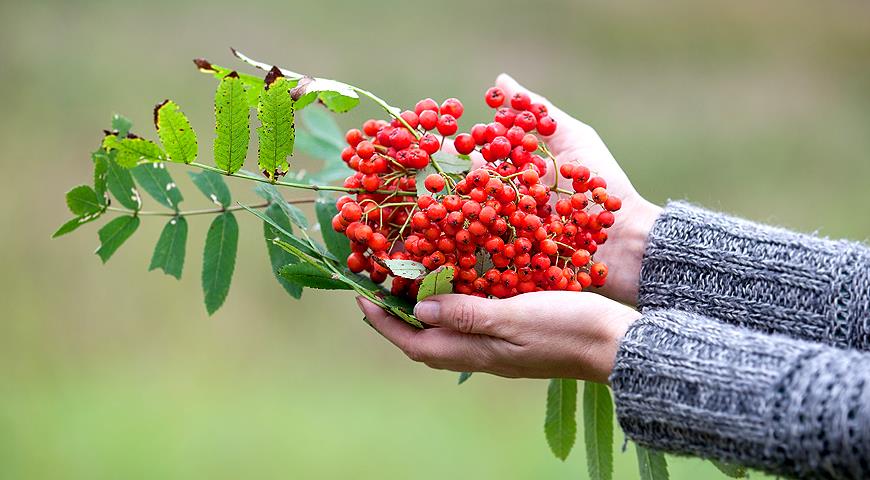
{"type": "Point", "coordinates": [762, 277]}
{"type": "Point", "coordinates": [687, 384]}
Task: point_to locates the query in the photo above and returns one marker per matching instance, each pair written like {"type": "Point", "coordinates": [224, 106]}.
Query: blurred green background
{"type": "Point", "coordinates": [756, 108]}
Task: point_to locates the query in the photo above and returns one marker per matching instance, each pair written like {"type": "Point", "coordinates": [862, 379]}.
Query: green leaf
{"type": "Point", "coordinates": [279, 257]}
{"type": "Point", "coordinates": [270, 193]}
{"type": "Point", "coordinates": [337, 96]}
{"type": "Point", "coordinates": [82, 200]}
{"type": "Point", "coordinates": [336, 242]}
{"type": "Point", "coordinates": [75, 223]}
{"type": "Point", "coordinates": [463, 376]}
{"type": "Point", "coordinates": [652, 464]}
{"type": "Point", "coordinates": [130, 151]}
{"type": "Point", "coordinates": [560, 425]}
{"type": "Point", "coordinates": [450, 163]}
{"type": "Point", "coordinates": [420, 179]}
{"type": "Point", "coordinates": [437, 282]}
{"type": "Point", "coordinates": [598, 430]}
{"type": "Point", "coordinates": [403, 268]}
{"type": "Point", "coordinates": [114, 234]}
{"type": "Point", "coordinates": [307, 275]}
{"type": "Point", "coordinates": [322, 126]}
{"type": "Point", "coordinates": [170, 249]}
{"type": "Point", "coordinates": [219, 260]}
{"type": "Point", "coordinates": [175, 132]}
{"type": "Point", "coordinates": [120, 183]}
{"type": "Point", "coordinates": [121, 124]}
{"type": "Point", "coordinates": [731, 469]}
{"type": "Point", "coordinates": [155, 179]}
{"type": "Point", "coordinates": [212, 185]}
{"type": "Point", "coordinates": [275, 111]}
{"type": "Point", "coordinates": [232, 123]}
{"type": "Point", "coordinates": [253, 84]}
{"type": "Point", "coordinates": [101, 175]}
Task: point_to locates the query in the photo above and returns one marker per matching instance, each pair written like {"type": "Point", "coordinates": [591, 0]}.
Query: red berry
{"type": "Point", "coordinates": [546, 126]}
{"type": "Point", "coordinates": [453, 107]}
{"type": "Point", "coordinates": [357, 262]}
{"type": "Point", "coordinates": [530, 177]}
{"type": "Point", "coordinates": [434, 183]}
{"type": "Point", "coordinates": [494, 97]}
{"type": "Point", "coordinates": [353, 137]}
{"type": "Point", "coordinates": [606, 219]}
{"type": "Point", "coordinates": [612, 203]}
{"type": "Point", "coordinates": [447, 125]}
{"type": "Point", "coordinates": [580, 258]}
{"type": "Point", "coordinates": [410, 118]}
{"type": "Point", "coordinates": [428, 119]}
{"type": "Point", "coordinates": [464, 143]}
{"type": "Point", "coordinates": [549, 247]}
{"type": "Point", "coordinates": [530, 142]}
{"type": "Point", "coordinates": [429, 143]}
{"type": "Point", "coordinates": [521, 101]}
{"type": "Point", "coordinates": [500, 148]}
{"type": "Point", "coordinates": [365, 149]}
{"type": "Point", "coordinates": [526, 121]}
{"type": "Point", "coordinates": [426, 104]}
{"type": "Point", "coordinates": [539, 109]}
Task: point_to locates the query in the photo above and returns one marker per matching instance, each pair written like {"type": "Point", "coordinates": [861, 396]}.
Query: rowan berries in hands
{"type": "Point", "coordinates": [499, 226]}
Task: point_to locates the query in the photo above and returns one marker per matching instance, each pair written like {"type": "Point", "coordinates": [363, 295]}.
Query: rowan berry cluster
{"type": "Point", "coordinates": [503, 230]}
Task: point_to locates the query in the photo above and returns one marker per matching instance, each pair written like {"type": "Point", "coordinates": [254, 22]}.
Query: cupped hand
{"type": "Point", "coordinates": [534, 335]}
{"type": "Point", "coordinates": [575, 141]}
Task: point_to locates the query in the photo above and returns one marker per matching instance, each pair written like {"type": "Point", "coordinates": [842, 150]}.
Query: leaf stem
{"type": "Point", "coordinates": [205, 211]}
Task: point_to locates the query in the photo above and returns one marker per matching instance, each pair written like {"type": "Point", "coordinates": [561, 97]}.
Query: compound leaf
{"type": "Point", "coordinates": [560, 424]}
{"type": "Point", "coordinates": [114, 234]}
{"type": "Point", "coordinates": [212, 185]}
{"type": "Point", "coordinates": [279, 257]}
{"type": "Point", "coordinates": [338, 97]}
{"type": "Point", "coordinates": [276, 135]}
{"type": "Point", "coordinates": [170, 249]}
{"type": "Point", "coordinates": [652, 464]}
{"type": "Point", "coordinates": [101, 175]}
{"type": "Point", "coordinates": [598, 430]}
{"type": "Point", "coordinates": [154, 178]}
{"type": "Point", "coordinates": [219, 260]}
{"type": "Point", "coordinates": [232, 127]}
{"type": "Point", "coordinates": [175, 132]}
{"type": "Point", "coordinates": [308, 275]}
{"type": "Point", "coordinates": [130, 151]}
{"type": "Point", "coordinates": [75, 223]}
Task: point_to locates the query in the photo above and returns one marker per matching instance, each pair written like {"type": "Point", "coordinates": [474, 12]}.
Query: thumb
{"type": "Point", "coordinates": [466, 314]}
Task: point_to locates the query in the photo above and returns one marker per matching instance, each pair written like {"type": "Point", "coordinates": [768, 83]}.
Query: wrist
{"type": "Point", "coordinates": [604, 358]}
{"type": "Point", "coordinates": [625, 253]}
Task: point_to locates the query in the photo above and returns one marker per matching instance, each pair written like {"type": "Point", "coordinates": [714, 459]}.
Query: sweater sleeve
{"type": "Point", "coordinates": [688, 384]}
{"type": "Point", "coordinates": [765, 278]}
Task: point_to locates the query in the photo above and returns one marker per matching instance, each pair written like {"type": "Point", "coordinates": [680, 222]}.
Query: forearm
{"type": "Point", "coordinates": [687, 384]}
{"type": "Point", "coordinates": [762, 277]}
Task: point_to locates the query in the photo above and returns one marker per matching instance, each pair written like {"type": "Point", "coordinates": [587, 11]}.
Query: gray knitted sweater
{"type": "Point", "coordinates": [753, 347]}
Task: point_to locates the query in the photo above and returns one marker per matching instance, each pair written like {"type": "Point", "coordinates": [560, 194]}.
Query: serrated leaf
{"type": "Point", "coordinates": [276, 134]}
{"type": "Point", "coordinates": [254, 84]}
{"type": "Point", "coordinates": [155, 179]}
{"type": "Point", "coordinates": [279, 257]}
{"type": "Point", "coordinates": [560, 425]}
{"type": "Point", "coordinates": [336, 242]}
{"type": "Point", "coordinates": [338, 102]}
{"type": "Point", "coordinates": [170, 249]}
{"type": "Point", "coordinates": [219, 260]}
{"type": "Point", "coordinates": [437, 282]}
{"type": "Point", "coordinates": [232, 123]}
{"type": "Point", "coordinates": [73, 224]}
{"type": "Point", "coordinates": [337, 96]}
{"type": "Point", "coordinates": [731, 469]}
{"type": "Point", "coordinates": [130, 151]}
{"type": "Point", "coordinates": [120, 183]}
{"type": "Point", "coordinates": [598, 430]}
{"type": "Point", "coordinates": [212, 185]}
{"type": "Point", "coordinates": [270, 193]}
{"type": "Point", "coordinates": [114, 234]}
{"type": "Point", "coordinates": [651, 464]}
{"type": "Point", "coordinates": [403, 268]}
{"type": "Point", "coordinates": [82, 200]}
{"type": "Point", "coordinates": [463, 376]}
{"type": "Point", "coordinates": [101, 174]}
{"type": "Point", "coordinates": [450, 163]}
{"type": "Point", "coordinates": [307, 275]}
{"type": "Point", "coordinates": [175, 132]}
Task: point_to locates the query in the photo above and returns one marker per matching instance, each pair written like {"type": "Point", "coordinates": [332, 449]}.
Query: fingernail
{"type": "Point", "coordinates": [427, 311]}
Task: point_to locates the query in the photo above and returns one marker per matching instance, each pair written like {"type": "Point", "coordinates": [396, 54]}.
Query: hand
{"type": "Point", "coordinates": [574, 141]}
{"type": "Point", "coordinates": [534, 335]}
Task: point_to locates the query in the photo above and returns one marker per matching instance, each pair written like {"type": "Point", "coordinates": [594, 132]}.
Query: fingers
{"type": "Point", "coordinates": [436, 347]}
{"type": "Point", "coordinates": [467, 314]}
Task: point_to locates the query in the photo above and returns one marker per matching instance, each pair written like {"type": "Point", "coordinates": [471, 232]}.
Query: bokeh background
{"type": "Point", "coordinates": [108, 371]}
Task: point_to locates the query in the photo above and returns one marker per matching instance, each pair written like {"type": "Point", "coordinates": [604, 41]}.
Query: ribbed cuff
{"type": "Point", "coordinates": [687, 384]}
{"type": "Point", "coordinates": [766, 278]}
